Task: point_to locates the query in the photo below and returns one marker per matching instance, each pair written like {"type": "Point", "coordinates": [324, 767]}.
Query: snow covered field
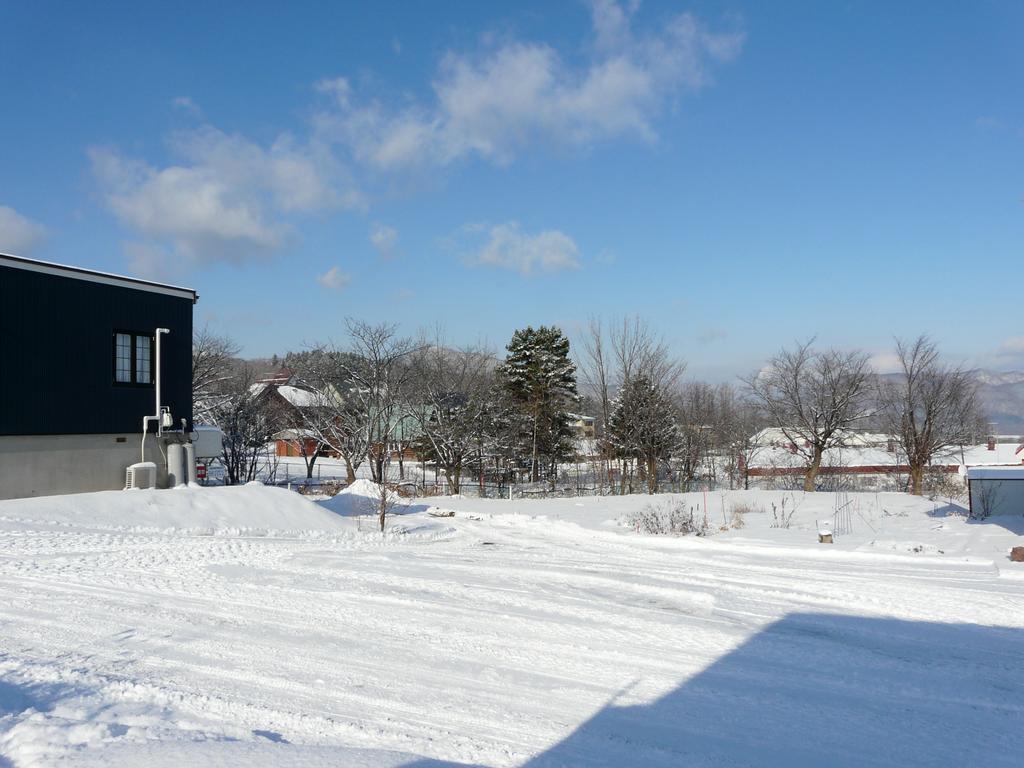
{"type": "Point", "coordinates": [249, 626]}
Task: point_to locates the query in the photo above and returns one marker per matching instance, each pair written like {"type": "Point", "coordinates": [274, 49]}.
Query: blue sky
{"type": "Point", "coordinates": [740, 174]}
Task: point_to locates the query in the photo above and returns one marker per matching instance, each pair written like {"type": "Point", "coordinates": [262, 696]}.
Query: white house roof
{"type": "Point", "coordinates": [300, 398]}
{"type": "Point", "coordinates": [1004, 454]}
{"type": "Point", "coordinates": [294, 434]}
{"type": "Point", "coordinates": [851, 438]}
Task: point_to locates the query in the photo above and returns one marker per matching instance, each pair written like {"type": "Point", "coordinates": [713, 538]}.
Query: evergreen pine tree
{"type": "Point", "coordinates": [540, 380]}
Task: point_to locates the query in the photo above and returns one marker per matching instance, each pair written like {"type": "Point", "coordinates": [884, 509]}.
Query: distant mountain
{"type": "Point", "coordinates": [1000, 378]}
{"type": "Point", "coordinates": [1002, 397]}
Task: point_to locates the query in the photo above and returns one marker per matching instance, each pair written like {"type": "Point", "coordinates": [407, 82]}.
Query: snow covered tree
{"type": "Point", "coordinates": [540, 380]}
{"type": "Point", "coordinates": [642, 426]}
{"type": "Point", "coordinates": [502, 426]}
{"type": "Point", "coordinates": [927, 407]}
{"type": "Point", "coordinates": [814, 398]}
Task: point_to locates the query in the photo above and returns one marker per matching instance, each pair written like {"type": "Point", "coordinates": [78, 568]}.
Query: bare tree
{"type": "Point", "coordinates": [248, 422]}
{"type": "Point", "coordinates": [638, 350]}
{"type": "Point", "coordinates": [814, 398]}
{"type": "Point", "coordinates": [310, 449]}
{"type": "Point", "coordinates": [698, 420]}
{"type": "Point", "coordinates": [451, 392]}
{"type": "Point", "coordinates": [595, 371]}
{"type": "Point", "coordinates": [989, 497]}
{"type": "Point", "coordinates": [380, 377]}
{"type": "Point", "coordinates": [928, 407]}
{"type": "Point", "coordinates": [627, 351]}
{"type": "Point", "coordinates": [213, 363]}
{"type": "Point", "coordinates": [387, 501]}
{"type": "Point", "coordinates": [740, 434]}
{"type": "Point", "coordinates": [299, 419]}
{"type": "Point", "coordinates": [339, 417]}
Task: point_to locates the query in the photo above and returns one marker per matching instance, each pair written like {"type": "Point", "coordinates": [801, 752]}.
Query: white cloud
{"type": "Point", "coordinates": [18, 234]}
{"type": "Point", "coordinates": [1012, 347]}
{"type": "Point", "coordinates": [198, 209]}
{"type": "Point", "coordinates": [150, 261]}
{"type": "Point", "coordinates": [509, 98]}
{"type": "Point", "coordinates": [334, 279]}
{"type": "Point", "coordinates": [337, 87]}
{"type": "Point", "coordinates": [185, 104]}
{"type": "Point", "coordinates": [611, 22]}
{"type": "Point", "coordinates": [227, 199]}
{"type": "Point", "coordinates": [508, 247]}
{"type": "Point", "coordinates": [385, 240]}
{"type": "Point", "coordinates": [224, 197]}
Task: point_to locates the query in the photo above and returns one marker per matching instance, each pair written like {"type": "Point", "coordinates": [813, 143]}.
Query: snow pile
{"type": "Point", "coordinates": [360, 498]}
{"type": "Point", "coordinates": [252, 508]}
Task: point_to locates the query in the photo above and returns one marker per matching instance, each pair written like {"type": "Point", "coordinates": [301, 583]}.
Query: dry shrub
{"type": "Point", "coordinates": [326, 488]}
{"type": "Point", "coordinates": [670, 517]}
{"type": "Point", "coordinates": [739, 510]}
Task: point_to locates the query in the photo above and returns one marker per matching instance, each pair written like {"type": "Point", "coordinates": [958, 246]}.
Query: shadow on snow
{"type": "Point", "coordinates": [1013, 523]}
{"type": "Point", "coordinates": [824, 690]}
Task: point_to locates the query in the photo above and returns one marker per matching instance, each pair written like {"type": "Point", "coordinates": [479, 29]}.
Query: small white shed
{"type": "Point", "coordinates": [995, 491]}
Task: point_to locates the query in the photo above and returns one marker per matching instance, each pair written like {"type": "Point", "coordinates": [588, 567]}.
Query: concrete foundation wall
{"type": "Point", "coordinates": [45, 465]}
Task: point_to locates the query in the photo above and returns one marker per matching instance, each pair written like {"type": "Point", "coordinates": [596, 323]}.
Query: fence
{"type": "Point", "coordinates": [426, 480]}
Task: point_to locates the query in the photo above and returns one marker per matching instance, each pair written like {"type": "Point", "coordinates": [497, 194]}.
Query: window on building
{"type": "Point", "coordinates": [143, 360]}
{"type": "Point", "coordinates": [123, 358]}
{"type": "Point", "coordinates": [133, 358]}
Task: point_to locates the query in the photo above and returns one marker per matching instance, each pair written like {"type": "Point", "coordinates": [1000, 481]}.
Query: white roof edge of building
{"type": "Point", "coordinates": [94, 276]}
{"type": "Point", "coordinates": [995, 473]}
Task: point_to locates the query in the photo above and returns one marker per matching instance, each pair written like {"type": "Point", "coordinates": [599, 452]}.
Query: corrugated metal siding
{"type": "Point", "coordinates": [56, 355]}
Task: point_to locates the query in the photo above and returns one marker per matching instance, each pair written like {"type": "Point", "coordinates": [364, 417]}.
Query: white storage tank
{"type": "Point", "coordinates": [190, 463]}
{"type": "Point", "coordinates": [176, 474]}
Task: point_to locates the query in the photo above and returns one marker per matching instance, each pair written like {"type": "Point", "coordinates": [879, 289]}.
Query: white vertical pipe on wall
{"type": "Point", "coordinates": [156, 415]}
{"type": "Point", "coordinates": [159, 421]}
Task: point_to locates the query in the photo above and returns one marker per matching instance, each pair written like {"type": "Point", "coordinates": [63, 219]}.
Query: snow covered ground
{"type": "Point", "coordinates": [228, 626]}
